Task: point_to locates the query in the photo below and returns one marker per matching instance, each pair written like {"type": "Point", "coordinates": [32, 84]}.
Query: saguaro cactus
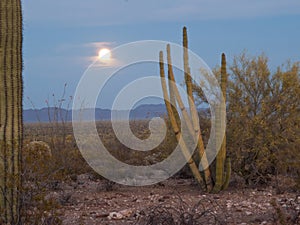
{"type": "Point", "coordinates": [10, 110]}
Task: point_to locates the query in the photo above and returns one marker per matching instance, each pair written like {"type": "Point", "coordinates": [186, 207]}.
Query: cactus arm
{"type": "Point", "coordinates": [176, 94]}
{"type": "Point", "coordinates": [220, 160]}
{"type": "Point", "coordinates": [171, 88]}
{"type": "Point", "coordinates": [175, 126]}
{"type": "Point", "coordinates": [224, 81]}
{"type": "Point", "coordinates": [194, 113]}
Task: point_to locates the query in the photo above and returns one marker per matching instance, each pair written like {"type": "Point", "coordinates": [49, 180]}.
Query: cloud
{"type": "Point", "coordinates": [67, 47]}
{"type": "Point", "coordinates": [99, 45]}
{"type": "Point", "coordinates": [104, 12]}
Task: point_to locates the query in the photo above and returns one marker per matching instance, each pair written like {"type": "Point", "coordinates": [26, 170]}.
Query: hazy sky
{"type": "Point", "coordinates": [61, 37]}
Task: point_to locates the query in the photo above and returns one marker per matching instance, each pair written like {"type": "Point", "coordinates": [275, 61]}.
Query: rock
{"type": "Point", "coordinates": [115, 216]}
{"type": "Point", "coordinates": [120, 215]}
{"type": "Point", "coordinates": [126, 212]}
{"type": "Point", "coordinates": [248, 213]}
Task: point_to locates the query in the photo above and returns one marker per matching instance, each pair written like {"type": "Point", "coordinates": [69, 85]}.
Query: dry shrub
{"type": "Point", "coordinates": [46, 165]}
{"type": "Point", "coordinates": [37, 170]}
{"type": "Point", "coordinates": [205, 211]}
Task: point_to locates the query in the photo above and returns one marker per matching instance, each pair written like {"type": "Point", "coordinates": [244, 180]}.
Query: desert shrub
{"type": "Point", "coordinates": [37, 176]}
{"type": "Point", "coordinates": [46, 165]}
{"type": "Point", "coordinates": [263, 119]}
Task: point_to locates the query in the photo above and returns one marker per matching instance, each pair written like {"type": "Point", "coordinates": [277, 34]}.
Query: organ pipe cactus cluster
{"type": "Point", "coordinates": [191, 119]}
{"type": "Point", "coordinates": [11, 89]}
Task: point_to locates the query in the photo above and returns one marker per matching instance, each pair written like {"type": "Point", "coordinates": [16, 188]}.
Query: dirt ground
{"type": "Point", "coordinates": [89, 200]}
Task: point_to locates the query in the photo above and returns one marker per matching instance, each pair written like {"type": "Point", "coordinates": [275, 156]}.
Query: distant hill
{"type": "Point", "coordinates": [54, 114]}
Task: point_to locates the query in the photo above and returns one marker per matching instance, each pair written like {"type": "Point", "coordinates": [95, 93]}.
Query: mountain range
{"type": "Point", "coordinates": [58, 114]}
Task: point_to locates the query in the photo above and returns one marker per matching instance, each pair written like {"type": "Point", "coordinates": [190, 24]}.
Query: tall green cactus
{"type": "Point", "coordinates": [224, 77]}
{"type": "Point", "coordinates": [194, 112]}
{"type": "Point", "coordinates": [221, 180]}
{"type": "Point", "coordinates": [11, 91]}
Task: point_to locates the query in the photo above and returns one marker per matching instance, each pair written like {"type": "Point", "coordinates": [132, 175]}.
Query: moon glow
{"type": "Point", "coordinates": [104, 54]}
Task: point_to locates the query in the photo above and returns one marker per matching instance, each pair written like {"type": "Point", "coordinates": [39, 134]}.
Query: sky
{"type": "Point", "coordinates": [63, 37]}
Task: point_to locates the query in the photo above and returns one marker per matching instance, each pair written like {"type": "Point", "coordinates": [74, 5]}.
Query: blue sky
{"type": "Point", "coordinates": [61, 38]}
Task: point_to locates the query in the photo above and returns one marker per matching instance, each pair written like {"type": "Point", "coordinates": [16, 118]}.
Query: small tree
{"type": "Point", "coordinates": [263, 118]}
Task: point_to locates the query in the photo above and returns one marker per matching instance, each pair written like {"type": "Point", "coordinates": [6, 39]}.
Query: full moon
{"type": "Point", "coordinates": [104, 54]}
